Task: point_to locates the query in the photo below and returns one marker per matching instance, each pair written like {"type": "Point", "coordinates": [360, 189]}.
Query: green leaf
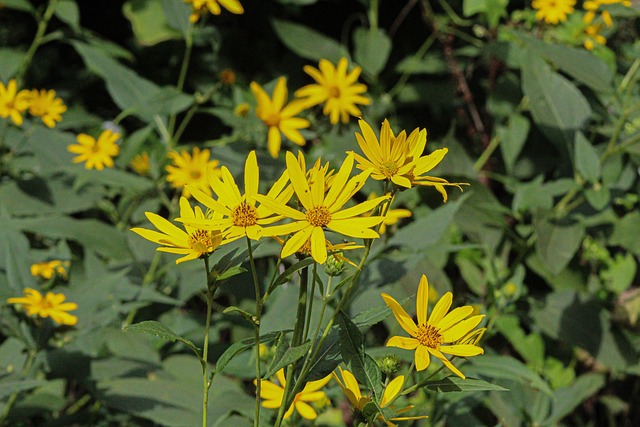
{"type": "Point", "coordinates": [568, 398]}
{"type": "Point", "coordinates": [455, 383]}
{"type": "Point", "coordinates": [558, 108]}
{"type": "Point", "coordinates": [371, 50]}
{"type": "Point", "coordinates": [308, 43]}
{"type": "Point", "coordinates": [239, 347]}
{"type": "Point", "coordinates": [508, 368]}
{"type": "Point", "coordinates": [328, 358]}
{"type": "Point", "coordinates": [148, 21]}
{"type": "Point", "coordinates": [230, 272]}
{"type": "Point", "coordinates": [586, 158]}
{"type": "Point", "coordinates": [625, 232]}
{"type": "Point", "coordinates": [10, 60]}
{"type": "Point", "coordinates": [177, 14]}
{"type": "Point", "coordinates": [15, 247]}
{"type": "Point", "coordinates": [67, 11]}
{"type": "Point", "coordinates": [9, 385]}
{"type": "Point", "coordinates": [512, 139]}
{"type": "Point", "coordinates": [151, 327]}
{"type": "Point", "coordinates": [598, 196]}
{"type": "Point", "coordinates": [291, 355]}
{"type": "Point", "coordinates": [373, 315]}
{"type": "Point", "coordinates": [557, 242]}
{"type": "Point", "coordinates": [22, 5]}
{"type": "Point", "coordinates": [619, 274]}
{"type": "Point", "coordinates": [286, 275]}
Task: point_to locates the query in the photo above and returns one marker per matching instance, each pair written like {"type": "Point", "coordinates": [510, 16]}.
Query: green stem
{"type": "Point", "coordinates": [256, 325]}
{"type": "Point", "coordinates": [310, 307]}
{"type": "Point", "coordinates": [206, 381]}
{"type": "Point", "coordinates": [373, 16]}
{"type": "Point", "coordinates": [37, 40]}
{"type": "Point", "coordinates": [14, 396]}
{"type": "Point", "coordinates": [181, 79]}
{"type": "Point", "coordinates": [486, 154]}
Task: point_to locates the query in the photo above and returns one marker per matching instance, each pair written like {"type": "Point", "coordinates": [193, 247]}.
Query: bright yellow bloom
{"type": "Point", "coordinates": [332, 249]}
{"type": "Point", "coordinates": [273, 393]}
{"type": "Point", "coordinates": [96, 154]}
{"type": "Point", "coordinates": [351, 389]}
{"type": "Point", "coordinates": [242, 110]}
{"type": "Point", "coordinates": [48, 269]}
{"type": "Point", "coordinates": [428, 336]}
{"type": "Point", "coordinates": [44, 104]}
{"type": "Point", "coordinates": [141, 163]}
{"type": "Point", "coordinates": [338, 90]}
{"type": "Point", "coordinates": [12, 102]}
{"type": "Point", "coordinates": [193, 243]}
{"type": "Point", "coordinates": [52, 305]}
{"type": "Point", "coordinates": [239, 214]}
{"type": "Point", "coordinates": [593, 36]}
{"type": "Point", "coordinates": [279, 117]}
{"type": "Point", "coordinates": [323, 209]}
{"type": "Point", "coordinates": [200, 7]}
{"type": "Point", "coordinates": [191, 169]}
{"type": "Point", "coordinates": [553, 11]}
{"type": "Point", "coordinates": [399, 159]}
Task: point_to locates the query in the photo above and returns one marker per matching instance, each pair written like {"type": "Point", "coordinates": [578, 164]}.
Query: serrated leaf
{"type": "Point", "coordinates": [291, 355]}
{"type": "Point", "coordinates": [454, 383]}
{"type": "Point", "coordinates": [308, 43]}
{"type": "Point", "coordinates": [372, 316]}
{"type": "Point", "coordinates": [328, 357]}
{"type": "Point", "coordinates": [371, 49]}
{"type": "Point", "coordinates": [151, 327]}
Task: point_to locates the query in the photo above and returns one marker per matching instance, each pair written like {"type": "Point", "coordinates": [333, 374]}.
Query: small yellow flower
{"type": "Point", "coordinates": [44, 104]}
{"type": "Point", "coordinates": [553, 11]}
{"type": "Point", "coordinates": [51, 305]}
{"type": "Point", "coordinates": [322, 209]}
{"type": "Point", "coordinates": [141, 163]}
{"type": "Point", "coordinates": [48, 269]}
{"type": "Point", "coordinates": [351, 389]}
{"type": "Point", "coordinates": [193, 244]}
{"type": "Point", "coordinates": [429, 335]}
{"type": "Point", "coordinates": [191, 169]}
{"type": "Point", "coordinates": [593, 36]}
{"type": "Point", "coordinates": [278, 117]}
{"type": "Point", "coordinates": [200, 7]}
{"type": "Point", "coordinates": [339, 91]}
{"type": "Point", "coordinates": [242, 110]}
{"type": "Point", "coordinates": [96, 154]}
{"type": "Point", "coordinates": [12, 102]}
{"type": "Point", "coordinates": [273, 394]}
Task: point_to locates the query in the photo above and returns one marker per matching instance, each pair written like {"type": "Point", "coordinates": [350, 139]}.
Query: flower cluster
{"type": "Point", "coordinates": [48, 306]}
{"type": "Point", "coordinates": [40, 103]}
{"type": "Point", "coordinates": [201, 7]}
{"type": "Point", "coordinates": [49, 269]}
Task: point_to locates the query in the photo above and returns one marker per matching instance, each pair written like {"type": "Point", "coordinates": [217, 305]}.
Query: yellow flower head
{"type": "Point", "coordinates": [240, 215]}
{"type": "Point", "coordinates": [278, 117]}
{"type": "Point", "coordinates": [48, 269]}
{"type": "Point", "coordinates": [44, 104]}
{"type": "Point", "coordinates": [12, 102]}
{"type": "Point", "coordinates": [273, 394]}
{"type": "Point", "coordinates": [553, 11]}
{"type": "Point", "coordinates": [192, 243]}
{"type": "Point", "coordinates": [339, 91]}
{"type": "Point", "coordinates": [200, 7]}
{"type": "Point", "coordinates": [242, 110]}
{"type": "Point", "coordinates": [351, 389]}
{"type": "Point", "coordinates": [592, 36]}
{"type": "Point", "coordinates": [96, 154]}
{"type": "Point", "coordinates": [51, 305]}
{"type": "Point", "coordinates": [141, 163]}
{"type": "Point", "coordinates": [430, 336]}
{"type": "Point", "coordinates": [192, 170]}
{"type": "Point", "coordinates": [323, 209]}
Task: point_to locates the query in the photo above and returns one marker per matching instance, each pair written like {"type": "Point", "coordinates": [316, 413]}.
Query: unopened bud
{"type": "Point", "coordinates": [389, 364]}
{"type": "Point", "coordinates": [334, 266]}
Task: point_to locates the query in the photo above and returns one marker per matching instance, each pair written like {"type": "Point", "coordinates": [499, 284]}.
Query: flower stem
{"type": "Point", "coordinates": [206, 381]}
{"type": "Point", "coordinates": [181, 79]}
{"type": "Point", "coordinates": [256, 325]}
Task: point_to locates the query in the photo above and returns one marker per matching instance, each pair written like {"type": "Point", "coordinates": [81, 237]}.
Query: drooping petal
{"type": "Point", "coordinates": [447, 363]}
{"type": "Point", "coordinates": [305, 410]}
{"type": "Point", "coordinates": [296, 241]}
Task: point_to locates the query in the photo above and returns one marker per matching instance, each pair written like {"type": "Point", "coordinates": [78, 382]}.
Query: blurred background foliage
{"type": "Point", "coordinates": [545, 241]}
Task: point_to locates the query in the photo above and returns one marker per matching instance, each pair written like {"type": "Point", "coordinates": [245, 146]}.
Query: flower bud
{"type": "Point", "coordinates": [334, 266]}
{"type": "Point", "coordinates": [389, 364]}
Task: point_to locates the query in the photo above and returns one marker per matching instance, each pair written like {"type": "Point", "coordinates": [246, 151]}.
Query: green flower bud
{"type": "Point", "coordinates": [389, 364]}
{"type": "Point", "coordinates": [334, 266]}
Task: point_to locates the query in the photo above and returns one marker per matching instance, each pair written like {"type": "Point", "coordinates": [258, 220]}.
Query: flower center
{"type": "Point", "coordinates": [204, 241]}
{"type": "Point", "coordinates": [334, 92]}
{"type": "Point", "coordinates": [95, 148]}
{"type": "Point", "coordinates": [389, 169]}
{"type": "Point", "coordinates": [244, 215]}
{"type": "Point", "coordinates": [196, 174]}
{"type": "Point", "coordinates": [319, 216]}
{"type": "Point", "coordinates": [272, 119]}
{"type": "Point", "coordinates": [429, 336]}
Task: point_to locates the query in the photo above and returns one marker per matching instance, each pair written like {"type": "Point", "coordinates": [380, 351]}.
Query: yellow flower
{"type": "Point", "coordinates": [200, 7]}
{"type": "Point", "coordinates": [593, 36]}
{"type": "Point", "coordinates": [141, 163]}
{"type": "Point", "coordinates": [239, 214]}
{"type": "Point", "coordinates": [338, 90]}
{"type": "Point", "coordinates": [44, 104]}
{"type": "Point", "coordinates": [392, 216]}
{"type": "Point", "coordinates": [52, 305]}
{"type": "Point", "coordinates": [332, 249]}
{"type": "Point", "coordinates": [323, 209]}
{"type": "Point", "coordinates": [553, 11]}
{"type": "Point", "coordinates": [48, 269]}
{"type": "Point", "coordinates": [96, 154]}
{"type": "Point", "coordinates": [191, 169]}
{"type": "Point", "coordinates": [351, 389]}
{"type": "Point", "coordinates": [193, 243]}
{"type": "Point", "coordinates": [12, 102]}
{"type": "Point", "coordinates": [428, 336]}
{"type": "Point", "coordinates": [279, 117]}
{"type": "Point", "coordinates": [242, 110]}
{"type": "Point", "coordinates": [273, 393]}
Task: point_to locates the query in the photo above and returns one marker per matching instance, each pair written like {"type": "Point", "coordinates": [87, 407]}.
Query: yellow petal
{"type": "Point", "coordinates": [392, 390]}
{"type": "Point", "coordinates": [405, 321]}
{"type": "Point", "coordinates": [251, 175]}
{"type": "Point", "coordinates": [462, 350]}
{"type": "Point", "coordinates": [422, 300]}
{"type": "Point", "coordinates": [421, 358]}
{"type": "Point", "coordinates": [461, 329]}
{"type": "Point", "coordinates": [318, 245]}
{"type": "Point", "coordinates": [454, 317]}
{"type": "Point", "coordinates": [441, 308]}
{"type": "Point", "coordinates": [306, 410]}
{"type": "Point", "coordinates": [447, 363]}
{"type": "Point", "coordinates": [405, 343]}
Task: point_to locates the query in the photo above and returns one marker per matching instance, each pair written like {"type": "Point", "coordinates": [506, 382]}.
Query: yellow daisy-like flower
{"type": "Point", "coordinates": [96, 154]}
{"type": "Point", "coordinates": [200, 7]}
{"type": "Point", "coordinates": [273, 394]}
{"type": "Point", "coordinates": [44, 104]}
{"type": "Point", "coordinates": [429, 336]}
{"type": "Point", "coordinates": [48, 269]}
{"type": "Point", "coordinates": [338, 90]}
{"type": "Point", "coordinates": [399, 159]}
{"type": "Point", "coordinates": [240, 215]}
{"type": "Point", "coordinates": [593, 36]}
{"type": "Point", "coordinates": [323, 209]}
{"type": "Point", "coordinates": [553, 11]}
{"type": "Point", "coordinates": [191, 169]}
{"type": "Point", "coordinates": [278, 117]}
{"type": "Point", "coordinates": [12, 102]}
{"type": "Point", "coordinates": [192, 243]}
{"type": "Point", "coordinates": [351, 389]}
{"type": "Point", "coordinates": [51, 305]}
{"type": "Point", "coordinates": [141, 163]}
